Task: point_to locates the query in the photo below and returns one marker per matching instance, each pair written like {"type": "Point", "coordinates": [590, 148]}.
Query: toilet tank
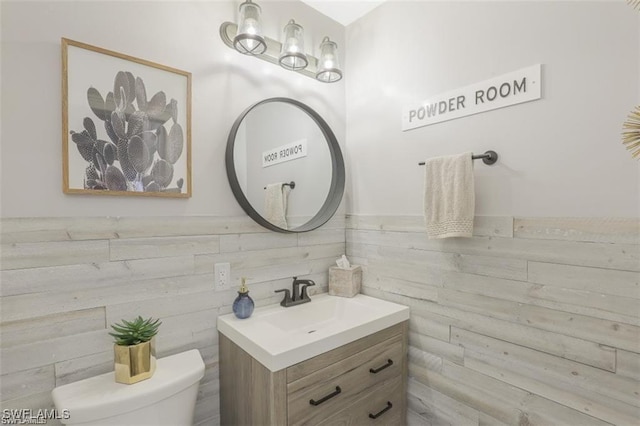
{"type": "Point", "coordinates": [167, 398]}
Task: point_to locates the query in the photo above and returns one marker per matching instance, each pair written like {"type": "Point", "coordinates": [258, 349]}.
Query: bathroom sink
{"type": "Point", "coordinates": [280, 337]}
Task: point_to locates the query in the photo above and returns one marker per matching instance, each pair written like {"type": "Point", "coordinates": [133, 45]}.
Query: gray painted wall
{"type": "Point", "coordinates": [559, 156]}
{"type": "Point", "coordinates": [180, 34]}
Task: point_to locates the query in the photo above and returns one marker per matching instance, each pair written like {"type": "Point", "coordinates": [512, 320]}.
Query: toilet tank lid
{"type": "Point", "coordinates": [100, 396]}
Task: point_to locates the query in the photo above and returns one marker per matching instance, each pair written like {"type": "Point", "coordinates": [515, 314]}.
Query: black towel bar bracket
{"type": "Point", "coordinates": [291, 184]}
{"type": "Point", "coordinates": [489, 158]}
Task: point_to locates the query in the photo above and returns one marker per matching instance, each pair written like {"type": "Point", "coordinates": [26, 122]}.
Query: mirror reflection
{"type": "Point", "coordinates": [285, 166]}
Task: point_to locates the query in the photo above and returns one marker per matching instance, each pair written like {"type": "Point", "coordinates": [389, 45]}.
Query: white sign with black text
{"type": "Point", "coordinates": [284, 153]}
{"type": "Point", "coordinates": [508, 89]}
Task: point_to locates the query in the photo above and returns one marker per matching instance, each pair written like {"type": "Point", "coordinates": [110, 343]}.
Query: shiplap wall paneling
{"type": "Point", "coordinates": [533, 321]}
{"type": "Point", "coordinates": [65, 280]}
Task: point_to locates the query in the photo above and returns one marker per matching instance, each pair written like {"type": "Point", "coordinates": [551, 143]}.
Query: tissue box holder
{"type": "Point", "coordinates": [345, 282]}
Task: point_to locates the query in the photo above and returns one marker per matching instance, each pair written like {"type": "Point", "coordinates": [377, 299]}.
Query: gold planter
{"type": "Point", "coordinates": [135, 363]}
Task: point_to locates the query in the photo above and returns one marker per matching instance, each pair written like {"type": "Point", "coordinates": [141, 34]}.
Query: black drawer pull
{"type": "Point", "coordinates": [325, 398]}
{"type": "Point", "coordinates": [377, 370]}
{"type": "Point", "coordinates": [384, 410]}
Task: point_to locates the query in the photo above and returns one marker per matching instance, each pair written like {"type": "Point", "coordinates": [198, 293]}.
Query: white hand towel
{"type": "Point", "coordinates": [276, 195]}
{"type": "Point", "coordinates": [449, 197]}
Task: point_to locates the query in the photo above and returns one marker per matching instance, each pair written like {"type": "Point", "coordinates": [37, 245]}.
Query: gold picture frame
{"type": "Point", "coordinates": [116, 140]}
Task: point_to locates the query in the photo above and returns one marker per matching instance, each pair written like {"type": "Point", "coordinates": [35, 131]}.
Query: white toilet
{"type": "Point", "coordinates": [168, 398]}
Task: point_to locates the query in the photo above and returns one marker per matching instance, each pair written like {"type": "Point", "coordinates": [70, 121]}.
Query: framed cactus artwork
{"type": "Point", "coordinates": [126, 124]}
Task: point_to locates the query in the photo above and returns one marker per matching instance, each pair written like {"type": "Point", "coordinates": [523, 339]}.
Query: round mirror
{"type": "Point", "coordinates": [285, 166]}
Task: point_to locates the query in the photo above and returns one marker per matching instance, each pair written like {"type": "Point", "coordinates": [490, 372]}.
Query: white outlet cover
{"type": "Point", "coordinates": [222, 276]}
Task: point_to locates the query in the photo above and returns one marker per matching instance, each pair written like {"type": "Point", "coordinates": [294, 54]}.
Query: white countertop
{"type": "Point", "coordinates": [279, 337]}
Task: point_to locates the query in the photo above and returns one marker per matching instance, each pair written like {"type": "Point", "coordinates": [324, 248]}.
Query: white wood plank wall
{"type": "Point", "coordinates": [64, 280]}
{"type": "Point", "coordinates": [533, 321]}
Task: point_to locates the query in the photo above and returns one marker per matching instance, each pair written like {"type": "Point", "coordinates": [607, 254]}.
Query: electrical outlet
{"type": "Point", "coordinates": [222, 276]}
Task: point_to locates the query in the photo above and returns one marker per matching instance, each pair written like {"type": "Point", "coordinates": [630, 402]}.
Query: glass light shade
{"type": "Point", "coordinates": [328, 66]}
{"type": "Point", "coordinates": [292, 56]}
{"type": "Point", "coordinates": [249, 39]}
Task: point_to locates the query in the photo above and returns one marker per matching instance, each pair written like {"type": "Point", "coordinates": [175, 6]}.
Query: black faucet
{"type": "Point", "coordinates": [286, 302]}
{"type": "Point", "coordinates": [297, 297]}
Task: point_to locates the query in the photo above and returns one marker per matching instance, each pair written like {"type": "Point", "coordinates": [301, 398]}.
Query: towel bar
{"type": "Point", "coordinates": [291, 184]}
{"type": "Point", "coordinates": [489, 158]}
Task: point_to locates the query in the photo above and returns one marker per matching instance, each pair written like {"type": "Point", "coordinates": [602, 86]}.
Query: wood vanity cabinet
{"type": "Point", "coordinates": [360, 383]}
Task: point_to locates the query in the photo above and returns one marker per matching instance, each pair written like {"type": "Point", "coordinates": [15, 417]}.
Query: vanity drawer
{"type": "Point", "coordinates": [320, 394]}
{"type": "Point", "coordinates": [304, 368]}
{"type": "Point", "coordinates": [384, 403]}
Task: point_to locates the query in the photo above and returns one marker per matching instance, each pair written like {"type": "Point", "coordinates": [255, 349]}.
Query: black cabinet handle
{"type": "Point", "coordinates": [327, 397]}
{"type": "Point", "coordinates": [384, 410]}
{"type": "Point", "coordinates": [379, 369]}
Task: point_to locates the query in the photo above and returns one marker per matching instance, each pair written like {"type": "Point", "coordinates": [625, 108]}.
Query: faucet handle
{"type": "Point", "coordinates": [295, 293]}
{"type": "Point", "coordinates": [306, 284]}
{"type": "Point", "coordinates": [287, 296]}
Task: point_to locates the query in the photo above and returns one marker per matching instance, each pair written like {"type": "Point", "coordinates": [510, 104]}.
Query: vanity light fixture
{"type": "Point", "coordinates": [247, 38]}
{"type": "Point", "coordinates": [328, 68]}
{"type": "Point", "coordinates": [292, 55]}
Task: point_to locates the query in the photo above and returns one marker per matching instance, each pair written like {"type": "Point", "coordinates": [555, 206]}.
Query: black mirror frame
{"type": "Point", "coordinates": [336, 189]}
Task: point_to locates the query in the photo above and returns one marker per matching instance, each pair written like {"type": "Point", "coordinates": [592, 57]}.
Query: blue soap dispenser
{"type": "Point", "coordinates": [243, 305]}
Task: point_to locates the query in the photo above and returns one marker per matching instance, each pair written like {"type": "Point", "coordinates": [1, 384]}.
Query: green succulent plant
{"type": "Point", "coordinates": [135, 332]}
